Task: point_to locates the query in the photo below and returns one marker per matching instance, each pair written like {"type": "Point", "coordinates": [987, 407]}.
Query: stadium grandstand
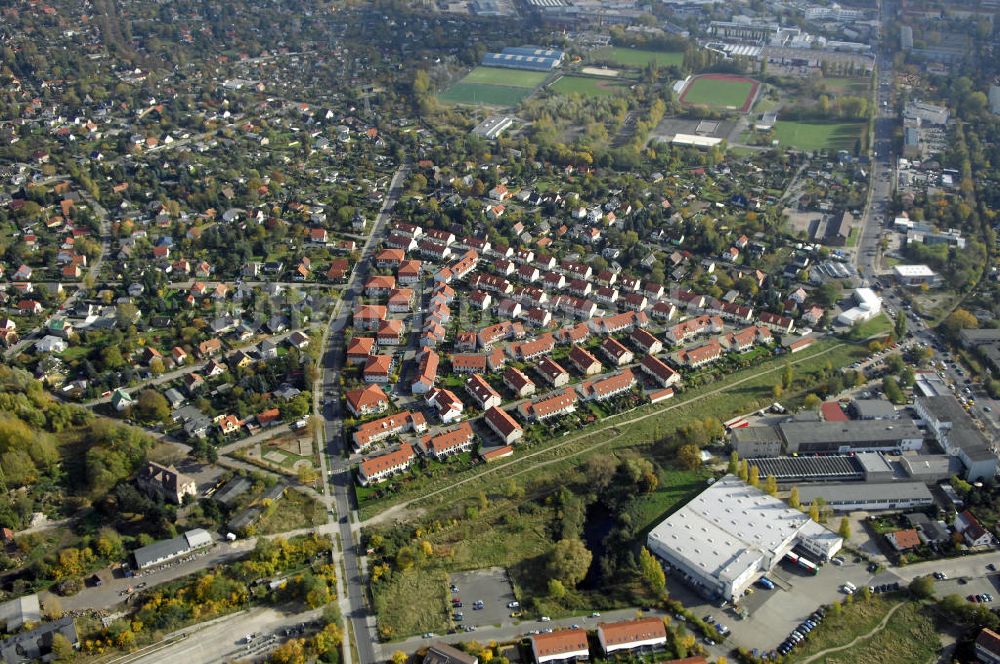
{"type": "Point", "coordinates": [525, 57]}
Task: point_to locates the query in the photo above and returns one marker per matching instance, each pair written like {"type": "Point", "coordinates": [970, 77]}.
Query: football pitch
{"type": "Point", "coordinates": [490, 95]}
{"type": "Point", "coordinates": [814, 136]}
{"type": "Point", "coordinates": [720, 91]}
{"type": "Point", "coordinates": [493, 86]}
{"type": "Point", "coordinates": [588, 87]}
{"type": "Point", "coordinates": [514, 78]}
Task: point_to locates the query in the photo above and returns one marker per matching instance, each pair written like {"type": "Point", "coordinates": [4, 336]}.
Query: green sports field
{"type": "Point", "coordinates": [588, 87]}
{"type": "Point", "coordinates": [631, 57]}
{"type": "Point", "coordinates": [717, 93]}
{"type": "Point", "coordinates": [814, 136]}
{"type": "Point", "coordinates": [490, 95]}
{"type": "Point", "coordinates": [514, 78]}
{"type": "Point", "coordinates": [493, 86]}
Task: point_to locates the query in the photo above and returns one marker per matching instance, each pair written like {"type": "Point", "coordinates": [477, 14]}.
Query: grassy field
{"type": "Point", "coordinates": [489, 95]}
{"type": "Point", "coordinates": [908, 637]}
{"type": "Point", "coordinates": [738, 393]}
{"type": "Point", "coordinates": [880, 325]}
{"type": "Point", "coordinates": [676, 488]}
{"type": "Point", "coordinates": [847, 86]}
{"type": "Point", "coordinates": [588, 87]}
{"type": "Point", "coordinates": [717, 93]}
{"type": "Point", "coordinates": [818, 135]}
{"type": "Point", "coordinates": [412, 602]}
{"type": "Point", "coordinates": [493, 86]}
{"type": "Point", "coordinates": [631, 57]}
{"type": "Point", "coordinates": [512, 78]}
{"type": "Point", "coordinates": [292, 512]}
{"type": "Point", "coordinates": [836, 630]}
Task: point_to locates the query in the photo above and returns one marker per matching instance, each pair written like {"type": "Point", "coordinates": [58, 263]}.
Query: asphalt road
{"type": "Point", "coordinates": [361, 618]}
{"type": "Point", "coordinates": [868, 254]}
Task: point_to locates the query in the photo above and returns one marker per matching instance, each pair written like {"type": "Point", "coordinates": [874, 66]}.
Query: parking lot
{"type": "Point", "coordinates": [492, 587]}
{"type": "Point", "coordinates": [965, 586]}
{"type": "Point", "coordinates": [773, 614]}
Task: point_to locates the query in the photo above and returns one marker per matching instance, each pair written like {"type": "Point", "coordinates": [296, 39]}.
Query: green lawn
{"type": "Point", "coordinates": [490, 95]}
{"type": "Point", "coordinates": [675, 488]}
{"type": "Point", "coordinates": [588, 87]}
{"type": "Point", "coordinates": [880, 325]}
{"type": "Point", "coordinates": [718, 93]}
{"type": "Point", "coordinates": [631, 57]}
{"type": "Point", "coordinates": [514, 78]}
{"type": "Point", "coordinates": [818, 135]}
{"type": "Point", "coordinates": [75, 353]}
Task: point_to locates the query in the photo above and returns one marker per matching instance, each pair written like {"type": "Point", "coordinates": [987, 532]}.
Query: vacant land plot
{"type": "Point", "coordinates": [846, 86]}
{"type": "Point", "coordinates": [908, 636]}
{"type": "Point", "coordinates": [720, 91]}
{"type": "Point", "coordinates": [514, 78]}
{"type": "Point", "coordinates": [293, 512]}
{"type": "Point", "coordinates": [412, 602]}
{"type": "Point", "coordinates": [818, 135]}
{"type": "Point", "coordinates": [839, 629]}
{"type": "Point", "coordinates": [631, 57]}
{"type": "Point", "coordinates": [588, 87]}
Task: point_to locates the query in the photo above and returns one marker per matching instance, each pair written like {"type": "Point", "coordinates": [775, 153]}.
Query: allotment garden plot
{"type": "Point", "coordinates": [493, 86]}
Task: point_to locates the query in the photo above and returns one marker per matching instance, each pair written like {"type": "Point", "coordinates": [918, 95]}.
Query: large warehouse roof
{"type": "Point", "coordinates": [695, 140]}
{"type": "Point", "coordinates": [728, 527]}
{"type": "Point", "coordinates": [865, 492]}
{"type": "Point", "coordinates": [848, 433]}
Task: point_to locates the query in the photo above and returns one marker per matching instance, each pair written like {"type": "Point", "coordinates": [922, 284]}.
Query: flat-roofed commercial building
{"type": "Point", "coordinates": [856, 435]}
{"type": "Point", "coordinates": [813, 437]}
{"type": "Point", "coordinates": [730, 533]}
{"type": "Point", "coordinates": [912, 275]}
{"type": "Point", "coordinates": [868, 495]}
{"type": "Point", "coordinates": [931, 467]}
{"type": "Point", "coordinates": [955, 432]}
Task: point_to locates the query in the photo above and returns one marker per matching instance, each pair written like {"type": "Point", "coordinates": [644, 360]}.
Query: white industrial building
{"type": "Point", "coordinates": [868, 305]}
{"type": "Point", "coordinates": [731, 533]}
{"type": "Point", "coordinates": [913, 275]}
